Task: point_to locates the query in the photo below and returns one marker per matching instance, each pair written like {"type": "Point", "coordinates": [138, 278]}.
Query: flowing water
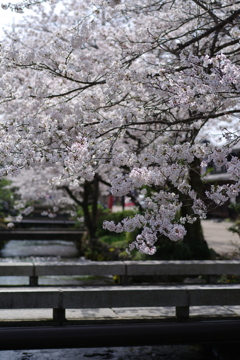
{"type": "Point", "coordinates": [132, 353]}
{"type": "Point", "coordinates": [62, 251]}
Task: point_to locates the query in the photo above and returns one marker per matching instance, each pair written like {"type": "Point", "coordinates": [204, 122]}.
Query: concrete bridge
{"type": "Point", "coordinates": [98, 312]}
{"type": "Point", "coordinates": [42, 229]}
{"type": "Point", "coordinates": [180, 296]}
{"type": "Point", "coordinates": [46, 234]}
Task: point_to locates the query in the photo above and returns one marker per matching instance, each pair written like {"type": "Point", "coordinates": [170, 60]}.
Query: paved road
{"type": "Point", "coordinates": [219, 238]}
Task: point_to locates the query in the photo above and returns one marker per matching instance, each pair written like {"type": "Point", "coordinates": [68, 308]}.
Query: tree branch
{"type": "Point", "coordinates": [218, 27]}
{"type": "Point", "coordinates": [73, 197]}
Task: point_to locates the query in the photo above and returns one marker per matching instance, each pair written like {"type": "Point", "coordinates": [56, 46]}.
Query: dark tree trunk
{"type": "Point", "coordinates": [194, 238]}
{"type": "Point", "coordinates": [92, 246]}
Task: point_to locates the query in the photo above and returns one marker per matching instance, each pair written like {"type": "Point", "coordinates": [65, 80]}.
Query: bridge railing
{"type": "Point", "coordinates": [124, 269]}
{"type": "Point", "coordinates": [180, 296]}
{"type": "Point", "coordinates": [47, 234]}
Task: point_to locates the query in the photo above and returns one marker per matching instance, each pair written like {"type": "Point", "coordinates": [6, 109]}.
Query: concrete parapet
{"type": "Point", "coordinates": [124, 268]}
{"type": "Point", "coordinates": [182, 297]}
{"type": "Point", "coordinates": [91, 268]}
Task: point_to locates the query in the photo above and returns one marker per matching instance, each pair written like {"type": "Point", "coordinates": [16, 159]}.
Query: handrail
{"type": "Point", "coordinates": [122, 268]}
{"type": "Point", "coordinates": [182, 297]}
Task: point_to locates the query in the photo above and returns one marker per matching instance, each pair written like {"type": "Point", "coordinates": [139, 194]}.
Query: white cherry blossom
{"type": "Point", "coordinates": [129, 92]}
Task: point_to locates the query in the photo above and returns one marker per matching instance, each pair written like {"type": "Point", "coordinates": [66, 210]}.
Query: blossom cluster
{"type": "Point", "coordinates": [132, 92]}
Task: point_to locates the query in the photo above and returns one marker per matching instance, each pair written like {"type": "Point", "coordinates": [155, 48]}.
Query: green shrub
{"type": "Point", "coordinates": [119, 241]}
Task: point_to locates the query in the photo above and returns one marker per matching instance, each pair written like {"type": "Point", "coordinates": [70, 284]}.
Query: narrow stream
{"type": "Point", "coordinates": [62, 251]}
{"type": "Point", "coordinates": [55, 249]}
{"type": "Point", "coordinates": [40, 251]}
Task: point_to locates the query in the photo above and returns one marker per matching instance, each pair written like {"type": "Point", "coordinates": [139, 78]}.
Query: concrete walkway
{"type": "Point", "coordinates": [116, 313]}
{"type": "Point", "coordinates": [220, 239]}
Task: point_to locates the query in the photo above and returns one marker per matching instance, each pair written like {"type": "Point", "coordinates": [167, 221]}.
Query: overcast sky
{"type": "Point", "coordinates": [7, 17]}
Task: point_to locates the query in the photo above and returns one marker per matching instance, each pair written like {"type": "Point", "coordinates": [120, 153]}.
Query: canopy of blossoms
{"type": "Point", "coordinates": [131, 87]}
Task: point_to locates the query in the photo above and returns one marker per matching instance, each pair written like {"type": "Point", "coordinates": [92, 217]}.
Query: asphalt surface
{"type": "Point", "coordinates": [220, 239]}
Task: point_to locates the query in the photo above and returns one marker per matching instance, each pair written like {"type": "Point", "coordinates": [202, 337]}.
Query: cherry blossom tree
{"type": "Point", "coordinates": [135, 88]}
{"type": "Point", "coordinates": [35, 190]}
